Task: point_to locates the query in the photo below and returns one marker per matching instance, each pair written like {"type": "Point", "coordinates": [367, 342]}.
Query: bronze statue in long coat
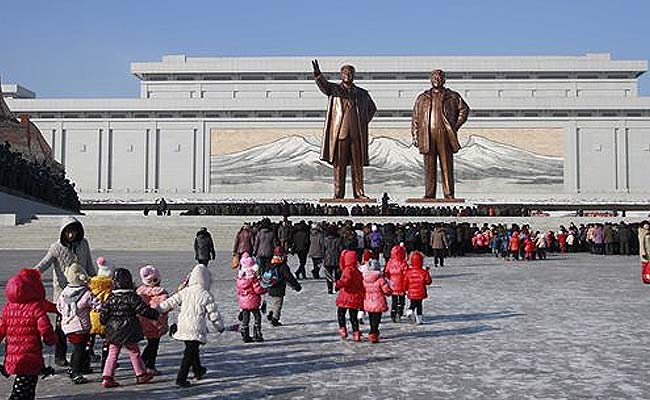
{"type": "Point", "coordinates": [345, 138]}
{"type": "Point", "coordinates": [437, 115]}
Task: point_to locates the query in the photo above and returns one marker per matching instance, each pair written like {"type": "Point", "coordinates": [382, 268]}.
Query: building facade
{"type": "Point", "coordinates": [249, 127]}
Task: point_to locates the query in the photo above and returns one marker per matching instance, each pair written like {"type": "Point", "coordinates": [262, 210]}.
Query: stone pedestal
{"type": "Point", "coordinates": [333, 200]}
{"type": "Point", "coordinates": [424, 200]}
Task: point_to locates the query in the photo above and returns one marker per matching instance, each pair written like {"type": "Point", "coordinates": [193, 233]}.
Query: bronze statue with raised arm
{"type": "Point", "coordinates": [345, 138]}
{"type": "Point", "coordinates": [438, 114]}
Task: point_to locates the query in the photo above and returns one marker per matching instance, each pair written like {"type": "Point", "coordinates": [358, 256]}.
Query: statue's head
{"type": "Point", "coordinates": [347, 74]}
{"type": "Point", "coordinates": [438, 78]}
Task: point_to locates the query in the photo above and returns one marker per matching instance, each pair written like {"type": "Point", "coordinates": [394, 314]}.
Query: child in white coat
{"type": "Point", "coordinates": [197, 308]}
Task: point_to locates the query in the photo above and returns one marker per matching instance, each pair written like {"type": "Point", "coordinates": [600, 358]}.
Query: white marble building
{"type": "Point", "coordinates": [164, 141]}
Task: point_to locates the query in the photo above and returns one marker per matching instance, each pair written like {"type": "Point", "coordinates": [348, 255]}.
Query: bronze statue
{"type": "Point", "coordinates": [345, 138]}
{"type": "Point", "coordinates": [438, 114]}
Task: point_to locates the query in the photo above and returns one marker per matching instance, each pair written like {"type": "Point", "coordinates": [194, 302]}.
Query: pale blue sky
{"type": "Point", "coordinates": [83, 48]}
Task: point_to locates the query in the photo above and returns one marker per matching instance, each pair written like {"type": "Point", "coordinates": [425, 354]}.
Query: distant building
{"type": "Point", "coordinates": [576, 122]}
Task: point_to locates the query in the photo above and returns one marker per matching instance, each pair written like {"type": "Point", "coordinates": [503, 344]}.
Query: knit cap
{"type": "Point", "coordinates": [75, 275]}
{"type": "Point", "coordinates": [246, 261]}
{"type": "Point", "coordinates": [150, 275]}
{"type": "Point", "coordinates": [104, 268]}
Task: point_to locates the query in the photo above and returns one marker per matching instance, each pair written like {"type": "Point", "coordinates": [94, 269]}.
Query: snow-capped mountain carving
{"type": "Point", "coordinates": [391, 160]}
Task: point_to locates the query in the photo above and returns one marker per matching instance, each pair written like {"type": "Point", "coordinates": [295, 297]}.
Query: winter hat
{"type": "Point", "coordinates": [150, 275]}
{"type": "Point", "coordinates": [122, 279]}
{"type": "Point", "coordinates": [104, 268]}
{"type": "Point", "coordinates": [374, 228]}
{"type": "Point", "coordinates": [25, 287]}
{"type": "Point", "coordinates": [374, 265]}
{"type": "Point", "coordinates": [349, 259]}
{"type": "Point", "coordinates": [75, 275]}
{"type": "Point", "coordinates": [246, 260]}
{"type": "Point", "coordinates": [416, 260]}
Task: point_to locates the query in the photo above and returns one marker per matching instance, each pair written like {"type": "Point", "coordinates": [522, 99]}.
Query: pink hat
{"type": "Point", "coordinates": [104, 268]}
{"type": "Point", "coordinates": [150, 275]}
{"type": "Point", "coordinates": [246, 261]}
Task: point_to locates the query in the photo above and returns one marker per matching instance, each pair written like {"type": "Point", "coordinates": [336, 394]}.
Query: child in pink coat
{"type": "Point", "coordinates": [249, 297]}
{"type": "Point", "coordinates": [376, 289]}
{"type": "Point", "coordinates": [152, 294]}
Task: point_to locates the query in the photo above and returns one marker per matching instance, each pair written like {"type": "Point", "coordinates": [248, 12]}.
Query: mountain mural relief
{"type": "Point", "coordinates": [296, 158]}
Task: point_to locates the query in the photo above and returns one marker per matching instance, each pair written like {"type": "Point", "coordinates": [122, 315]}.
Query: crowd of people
{"type": "Point", "coordinates": [368, 210]}
{"type": "Point", "coordinates": [364, 265]}
{"type": "Point", "coordinates": [37, 180]}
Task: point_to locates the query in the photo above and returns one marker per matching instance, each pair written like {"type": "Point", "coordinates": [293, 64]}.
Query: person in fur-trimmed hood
{"type": "Point", "coordinates": [75, 304]}
{"type": "Point", "coordinates": [153, 294]}
{"type": "Point", "coordinates": [197, 309]}
{"type": "Point", "coordinates": [71, 247]}
{"type": "Point", "coordinates": [25, 327]}
{"type": "Point", "coordinates": [120, 316]}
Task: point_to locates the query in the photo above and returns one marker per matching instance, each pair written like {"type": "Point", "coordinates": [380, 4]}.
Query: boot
{"type": "Point", "coordinates": [257, 334]}
{"type": "Point", "coordinates": [343, 332]}
{"type": "Point", "coordinates": [393, 316]}
{"type": "Point", "coordinates": [356, 335]}
{"type": "Point", "coordinates": [418, 319]}
{"type": "Point", "coordinates": [410, 317]}
{"type": "Point", "coordinates": [269, 316]}
{"type": "Point", "coordinates": [276, 322]}
{"type": "Point", "coordinates": [373, 337]}
{"type": "Point", "coordinates": [245, 335]}
{"type": "Point", "coordinates": [144, 378]}
{"type": "Point", "coordinates": [109, 382]}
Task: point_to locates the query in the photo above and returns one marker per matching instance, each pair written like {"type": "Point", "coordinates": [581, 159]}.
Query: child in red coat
{"type": "Point", "coordinates": [395, 272]}
{"type": "Point", "coordinates": [514, 245]}
{"type": "Point", "coordinates": [25, 325]}
{"type": "Point", "coordinates": [529, 249]}
{"type": "Point", "coordinates": [351, 293]}
{"type": "Point", "coordinates": [416, 281]}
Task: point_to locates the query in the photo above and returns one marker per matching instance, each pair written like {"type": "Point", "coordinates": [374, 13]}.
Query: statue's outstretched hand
{"type": "Point", "coordinates": [316, 68]}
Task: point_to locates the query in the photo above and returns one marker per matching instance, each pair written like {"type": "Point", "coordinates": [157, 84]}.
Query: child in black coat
{"type": "Point", "coordinates": [279, 275]}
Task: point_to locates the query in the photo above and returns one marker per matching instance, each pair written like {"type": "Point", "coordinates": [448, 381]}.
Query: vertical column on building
{"type": "Point", "coordinates": [198, 158]}
{"type": "Point", "coordinates": [622, 157]}
{"type": "Point", "coordinates": [207, 159]}
{"type": "Point", "coordinates": [104, 153]}
{"type": "Point", "coordinates": [572, 158]}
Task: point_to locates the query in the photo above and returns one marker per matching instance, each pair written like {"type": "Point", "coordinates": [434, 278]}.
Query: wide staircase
{"type": "Point", "coordinates": [127, 231]}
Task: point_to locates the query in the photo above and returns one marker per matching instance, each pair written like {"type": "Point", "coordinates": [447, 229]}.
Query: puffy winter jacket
{"type": "Point", "coordinates": [119, 315]}
{"type": "Point", "coordinates": [395, 270]}
{"type": "Point", "coordinates": [514, 242]}
{"type": "Point", "coordinates": [153, 296]}
{"type": "Point", "coordinates": [24, 322]}
{"type": "Point", "coordinates": [75, 304]}
{"type": "Point", "coordinates": [300, 238]}
{"type": "Point", "coordinates": [417, 279]}
{"type": "Point", "coordinates": [197, 308]}
{"type": "Point", "coordinates": [376, 289]}
{"type": "Point", "coordinates": [375, 239]}
{"type": "Point", "coordinates": [285, 277]}
{"type": "Point", "coordinates": [62, 254]}
{"type": "Point", "coordinates": [350, 285]}
{"type": "Point", "coordinates": [100, 287]}
{"type": "Point", "coordinates": [249, 292]}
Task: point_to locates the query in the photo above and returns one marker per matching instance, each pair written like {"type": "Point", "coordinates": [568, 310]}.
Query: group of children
{"type": "Point", "coordinates": [109, 307]}
{"type": "Point", "coordinates": [364, 288]}
{"type": "Point", "coordinates": [106, 306]}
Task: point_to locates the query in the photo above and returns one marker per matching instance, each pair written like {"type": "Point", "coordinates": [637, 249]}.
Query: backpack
{"type": "Point", "coordinates": [270, 277]}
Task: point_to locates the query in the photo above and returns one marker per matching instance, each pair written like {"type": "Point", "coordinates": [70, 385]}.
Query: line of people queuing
{"type": "Point", "coordinates": [36, 180]}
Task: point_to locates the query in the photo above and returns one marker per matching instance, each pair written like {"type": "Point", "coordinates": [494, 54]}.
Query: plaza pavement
{"type": "Point", "coordinates": [572, 327]}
